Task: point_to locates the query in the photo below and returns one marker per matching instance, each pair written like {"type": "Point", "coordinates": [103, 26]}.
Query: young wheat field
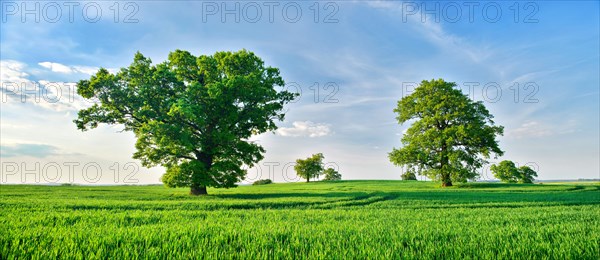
{"type": "Point", "coordinates": [321, 220]}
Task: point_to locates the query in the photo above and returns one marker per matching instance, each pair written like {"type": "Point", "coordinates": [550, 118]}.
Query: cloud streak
{"type": "Point", "coordinates": [535, 129]}
{"type": "Point", "coordinates": [60, 68]}
{"type": "Point", "coordinates": [17, 87]}
{"type": "Point", "coordinates": [305, 128]}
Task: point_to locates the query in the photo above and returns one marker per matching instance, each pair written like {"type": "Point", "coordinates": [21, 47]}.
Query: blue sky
{"type": "Point", "coordinates": [537, 71]}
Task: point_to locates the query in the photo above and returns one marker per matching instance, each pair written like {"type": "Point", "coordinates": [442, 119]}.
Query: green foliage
{"type": "Point", "coordinates": [262, 182]}
{"type": "Point", "coordinates": [526, 174]}
{"type": "Point", "coordinates": [311, 167]}
{"type": "Point", "coordinates": [506, 171]}
{"type": "Point", "coordinates": [409, 175]}
{"type": "Point", "coordinates": [451, 135]}
{"type": "Point", "coordinates": [191, 114]}
{"type": "Point", "coordinates": [317, 220]}
{"type": "Point", "coordinates": [331, 175]}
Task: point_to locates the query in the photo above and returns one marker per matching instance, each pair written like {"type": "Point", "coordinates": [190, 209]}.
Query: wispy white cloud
{"type": "Point", "coordinates": [89, 70]}
{"type": "Point", "coordinates": [12, 71]}
{"type": "Point", "coordinates": [432, 31]}
{"type": "Point", "coordinates": [530, 129]}
{"type": "Point", "coordinates": [305, 128]}
{"type": "Point", "coordinates": [17, 87]}
{"type": "Point", "coordinates": [61, 68]}
{"type": "Point", "coordinates": [56, 67]}
{"type": "Point", "coordinates": [536, 129]}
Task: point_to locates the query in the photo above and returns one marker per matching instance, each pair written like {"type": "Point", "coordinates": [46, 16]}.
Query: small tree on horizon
{"type": "Point", "coordinates": [262, 182]}
{"type": "Point", "coordinates": [526, 174]}
{"type": "Point", "coordinates": [409, 175]}
{"type": "Point", "coordinates": [507, 171]}
{"type": "Point", "coordinates": [331, 175]}
{"type": "Point", "coordinates": [311, 167]}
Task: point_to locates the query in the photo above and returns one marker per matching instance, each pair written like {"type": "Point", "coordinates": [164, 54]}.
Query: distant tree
{"type": "Point", "coordinates": [190, 114]}
{"type": "Point", "coordinates": [507, 171]}
{"type": "Point", "coordinates": [311, 167]}
{"type": "Point", "coordinates": [331, 175]}
{"type": "Point", "coordinates": [262, 182]}
{"type": "Point", "coordinates": [451, 135]}
{"type": "Point", "coordinates": [526, 174]}
{"type": "Point", "coordinates": [409, 175]}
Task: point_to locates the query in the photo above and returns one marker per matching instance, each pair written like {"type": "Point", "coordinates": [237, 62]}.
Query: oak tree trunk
{"type": "Point", "coordinates": [446, 180]}
{"type": "Point", "coordinates": [446, 183]}
{"type": "Point", "coordinates": [198, 190]}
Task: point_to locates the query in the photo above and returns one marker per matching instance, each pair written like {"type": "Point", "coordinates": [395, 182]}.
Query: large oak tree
{"type": "Point", "coordinates": [450, 136]}
{"type": "Point", "coordinates": [191, 114]}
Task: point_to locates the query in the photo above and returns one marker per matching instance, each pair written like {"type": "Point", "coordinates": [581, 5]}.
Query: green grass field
{"type": "Point", "coordinates": [339, 220]}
